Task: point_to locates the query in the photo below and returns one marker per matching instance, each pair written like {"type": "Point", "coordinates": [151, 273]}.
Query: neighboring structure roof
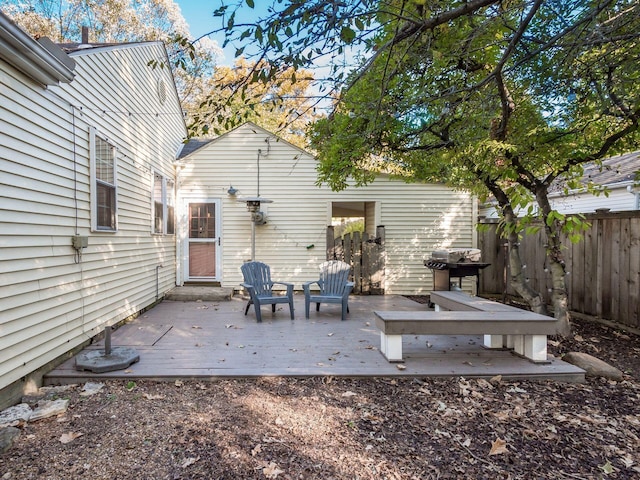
{"type": "Point", "coordinates": [192, 145]}
{"type": "Point", "coordinates": [621, 168]}
{"type": "Point", "coordinates": [620, 171]}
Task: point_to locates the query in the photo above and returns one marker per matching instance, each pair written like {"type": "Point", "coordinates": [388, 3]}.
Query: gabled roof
{"type": "Point", "coordinates": [196, 144]}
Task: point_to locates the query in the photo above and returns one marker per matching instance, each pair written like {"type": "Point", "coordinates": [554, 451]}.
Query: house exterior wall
{"type": "Point", "coordinates": [52, 300]}
{"type": "Point", "coordinates": [418, 218]}
{"type": "Point", "coordinates": [620, 199]}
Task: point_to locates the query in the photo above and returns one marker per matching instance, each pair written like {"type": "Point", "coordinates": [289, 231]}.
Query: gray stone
{"type": "Point", "coordinates": [8, 436]}
{"type": "Point", "coordinates": [46, 409]}
{"type": "Point", "coordinates": [46, 393]}
{"type": "Point", "coordinates": [15, 416]}
{"type": "Point", "coordinates": [593, 366]}
{"type": "Point", "coordinates": [91, 388]}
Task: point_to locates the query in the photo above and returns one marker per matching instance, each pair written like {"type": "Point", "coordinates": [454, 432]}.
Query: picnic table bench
{"type": "Point", "coordinates": [457, 313]}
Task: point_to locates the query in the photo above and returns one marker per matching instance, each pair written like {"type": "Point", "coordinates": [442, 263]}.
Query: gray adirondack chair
{"type": "Point", "coordinates": [257, 281]}
{"type": "Point", "coordinates": [334, 285]}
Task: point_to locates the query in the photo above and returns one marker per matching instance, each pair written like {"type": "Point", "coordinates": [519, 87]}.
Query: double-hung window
{"type": "Point", "coordinates": [163, 205]}
{"type": "Point", "coordinates": [104, 213]}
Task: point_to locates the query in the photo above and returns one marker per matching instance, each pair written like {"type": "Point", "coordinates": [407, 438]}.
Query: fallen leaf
{"type": "Point", "coordinates": [498, 447]}
{"type": "Point", "coordinates": [69, 437]}
{"type": "Point", "coordinates": [196, 327]}
{"type": "Point", "coordinates": [627, 461]}
{"type": "Point", "coordinates": [272, 470]}
{"type": "Point", "coordinates": [516, 390]}
{"type": "Point", "coordinates": [329, 334]}
{"type": "Point", "coordinates": [607, 468]}
{"type": "Point", "coordinates": [466, 443]}
{"type": "Point", "coordinates": [400, 366]}
{"type": "Point", "coordinates": [578, 338]}
{"type": "Point", "coordinates": [230, 325]}
{"type": "Point", "coordinates": [189, 461]}
{"type": "Point", "coordinates": [179, 383]}
{"type": "Point", "coordinates": [256, 450]}
{"type": "Point", "coordinates": [349, 394]}
{"type": "Point", "coordinates": [150, 396]}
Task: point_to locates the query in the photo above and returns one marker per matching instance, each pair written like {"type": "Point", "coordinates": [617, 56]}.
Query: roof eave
{"type": "Point", "coordinates": [41, 60]}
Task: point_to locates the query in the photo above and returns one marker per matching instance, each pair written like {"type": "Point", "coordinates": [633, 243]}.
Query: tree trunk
{"type": "Point", "coordinates": [557, 268]}
{"type": "Point", "coordinates": [517, 279]}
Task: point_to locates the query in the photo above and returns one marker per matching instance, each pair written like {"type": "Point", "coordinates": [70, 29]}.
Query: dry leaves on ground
{"type": "Point", "coordinates": [333, 428]}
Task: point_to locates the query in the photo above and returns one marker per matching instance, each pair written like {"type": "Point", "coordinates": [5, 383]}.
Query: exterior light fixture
{"type": "Point", "coordinates": [232, 191]}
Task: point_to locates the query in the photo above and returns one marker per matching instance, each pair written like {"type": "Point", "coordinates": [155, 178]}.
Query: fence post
{"type": "Point", "coordinates": [331, 245]}
{"type": "Point", "coordinates": [378, 262]}
{"type": "Point", "coordinates": [356, 262]}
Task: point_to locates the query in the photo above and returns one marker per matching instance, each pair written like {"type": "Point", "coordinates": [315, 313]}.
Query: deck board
{"type": "Point", "coordinates": [210, 340]}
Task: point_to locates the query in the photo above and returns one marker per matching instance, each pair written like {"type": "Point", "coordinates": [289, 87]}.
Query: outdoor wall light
{"type": "Point", "coordinates": [232, 191]}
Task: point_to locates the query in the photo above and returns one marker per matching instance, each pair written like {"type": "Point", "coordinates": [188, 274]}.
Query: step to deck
{"type": "Point", "coordinates": [193, 293]}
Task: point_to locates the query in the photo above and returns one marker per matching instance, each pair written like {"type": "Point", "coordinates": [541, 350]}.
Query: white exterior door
{"type": "Point", "coordinates": [202, 255]}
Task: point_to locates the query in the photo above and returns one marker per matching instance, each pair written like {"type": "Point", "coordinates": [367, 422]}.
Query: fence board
{"type": "Point", "coordinates": [624, 273]}
{"type": "Point", "coordinates": [634, 274]}
{"type": "Point", "coordinates": [590, 283]}
{"type": "Point", "coordinates": [604, 268]}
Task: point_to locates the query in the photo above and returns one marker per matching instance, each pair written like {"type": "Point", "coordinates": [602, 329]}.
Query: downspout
{"type": "Point", "coordinates": [635, 191]}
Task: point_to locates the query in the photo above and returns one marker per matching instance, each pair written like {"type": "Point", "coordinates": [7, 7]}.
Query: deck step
{"type": "Point", "coordinates": [193, 293]}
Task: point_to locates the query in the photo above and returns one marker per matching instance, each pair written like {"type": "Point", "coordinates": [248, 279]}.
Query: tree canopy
{"type": "Point", "coordinates": [497, 97]}
{"type": "Point", "coordinates": [280, 106]}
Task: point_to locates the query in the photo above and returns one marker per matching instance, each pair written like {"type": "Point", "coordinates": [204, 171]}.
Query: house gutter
{"type": "Point", "coordinates": [42, 60]}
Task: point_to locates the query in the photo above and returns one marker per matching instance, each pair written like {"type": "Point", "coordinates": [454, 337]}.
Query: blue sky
{"type": "Point", "coordinates": [199, 16]}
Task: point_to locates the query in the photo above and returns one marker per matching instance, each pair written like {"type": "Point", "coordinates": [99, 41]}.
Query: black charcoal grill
{"type": "Point", "coordinates": [454, 263]}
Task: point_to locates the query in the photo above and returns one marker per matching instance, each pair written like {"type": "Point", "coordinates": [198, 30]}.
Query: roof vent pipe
{"type": "Point", "coordinates": [85, 35]}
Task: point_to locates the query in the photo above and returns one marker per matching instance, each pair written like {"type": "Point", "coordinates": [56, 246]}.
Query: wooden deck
{"type": "Point", "coordinates": [210, 340]}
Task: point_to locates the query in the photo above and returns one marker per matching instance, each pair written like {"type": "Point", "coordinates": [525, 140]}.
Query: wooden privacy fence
{"type": "Point", "coordinates": [366, 256]}
{"type": "Point", "coordinates": [603, 270]}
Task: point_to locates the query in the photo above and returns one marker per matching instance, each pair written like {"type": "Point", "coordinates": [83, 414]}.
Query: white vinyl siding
{"type": "Point", "coordinates": [50, 304]}
{"type": "Point", "coordinates": [418, 218]}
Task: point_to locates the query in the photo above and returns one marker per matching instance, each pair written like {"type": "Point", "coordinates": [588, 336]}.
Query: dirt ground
{"type": "Point", "coordinates": [334, 428]}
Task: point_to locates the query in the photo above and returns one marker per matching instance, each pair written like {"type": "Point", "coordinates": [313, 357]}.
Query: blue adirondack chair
{"type": "Point", "coordinates": [257, 281]}
{"type": "Point", "coordinates": [334, 285]}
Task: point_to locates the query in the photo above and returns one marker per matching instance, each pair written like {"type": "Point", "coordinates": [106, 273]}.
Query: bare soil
{"type": "Point", "coordinates": [335, 428]}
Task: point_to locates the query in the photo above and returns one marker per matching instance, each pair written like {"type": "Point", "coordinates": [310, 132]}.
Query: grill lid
{"type": "Point", "coordinates": [456, 255]}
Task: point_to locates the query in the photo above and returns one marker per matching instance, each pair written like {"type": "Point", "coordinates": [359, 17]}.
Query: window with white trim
{"type": "Point", "coordinates": [104, 193]}
{"type": "Point", "coordinates": [163, 205]}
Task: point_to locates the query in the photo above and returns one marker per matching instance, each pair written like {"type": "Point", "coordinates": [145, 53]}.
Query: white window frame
{"type": "Point", "coordinates": [168, 200]}
{"type": "Point", "coordinates": [94, 138]}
